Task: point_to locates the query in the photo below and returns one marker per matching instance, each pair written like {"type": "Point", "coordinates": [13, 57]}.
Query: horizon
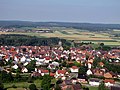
{"type": "Point", "coordinates": [57, 22]}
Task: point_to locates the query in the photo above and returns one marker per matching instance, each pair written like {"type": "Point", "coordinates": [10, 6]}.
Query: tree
{"type": "Point", "coordinates": [32, 87]}
{"type": "Point", "coordinates": [30, 79]}
{"type": "Point", "coordinates": [31, 66]}
{"type": "Point", "coordinates": [96, 61]}
{"type": "Point", "coordinates": [46, 82]}
{"type": "Point", "coordinates": [82, 70]}
{"type": "Point", "coordinates": [85, 88]}
{"type": "Point", "coordinates": [101, 44]}
{"type": "Point", "coordinates": [1, 63]}
{"type": "Point", "coordinates": [6, 77]}
{"type": "Point", "coordinates": [102, 86]}
{"type": "Point", "coordinates": [1, 86]}
{"type": "Point", "coordinates": [57, 87]}
{"type": "Point", "coordinates": [17, 77]}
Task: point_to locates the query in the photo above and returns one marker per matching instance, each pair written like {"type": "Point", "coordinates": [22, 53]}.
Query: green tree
{"type": "Point", "coordinates": [57, 87]}
{"type": "Point", "coordinates": [6, 77]}
{"type": "Point", "coordinates": [102, 86]}
{"type": "Point", "coordinates": [82, 70]}
{"type": "Point", "coordinates": [46, 82]}
{"type": "Point", "coordinates": [1, 86]}
{"type": "Point", "coordinates": [1, 63]}
{"type": "Point", "coordinates": [32, 87]}
{"type": "Point", "coordinates": [31, 66]}
{"type": "Point", "coordinates": [96, 61]}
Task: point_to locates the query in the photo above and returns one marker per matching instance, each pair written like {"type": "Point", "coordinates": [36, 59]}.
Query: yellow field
{"type": "Point", "coordinates": [74, 34]}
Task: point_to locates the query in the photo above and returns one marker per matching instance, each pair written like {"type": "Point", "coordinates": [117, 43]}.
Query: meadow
{"type": "Point", "coordinates": [77, 35]}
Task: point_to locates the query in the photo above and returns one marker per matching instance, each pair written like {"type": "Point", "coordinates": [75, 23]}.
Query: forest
{"type": "Point", "coordinates": [19, 40]}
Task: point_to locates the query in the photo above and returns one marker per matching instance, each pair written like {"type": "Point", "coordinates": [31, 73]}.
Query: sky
{"type": "Point", "coordinates": [85, 11]}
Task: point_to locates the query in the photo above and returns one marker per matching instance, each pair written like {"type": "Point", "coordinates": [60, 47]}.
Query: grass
{"type": "Point", "coordinates": [22, 84]}
{"type": "Point", "coordinates": [16, 89]}
{"type": "Point", "coordinates": [93, 88]}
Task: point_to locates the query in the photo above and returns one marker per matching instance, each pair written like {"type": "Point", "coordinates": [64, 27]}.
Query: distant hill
{"type": "Point", "coordinates": [86, 26]}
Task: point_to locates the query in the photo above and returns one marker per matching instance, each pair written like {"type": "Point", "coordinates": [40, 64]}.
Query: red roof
{"type": "Point", "coordinates": [61, 71]}
{"type": "Point", "coordinates": [109, 80]}
{"type": "Point", "coordinates": [44, 71]}
{"type": "Point", "coordinates": [52, 74]}
{"type": "Point", "coordinates": [47, 58]}
{"type": "Point", "coordinates": [74, 67]}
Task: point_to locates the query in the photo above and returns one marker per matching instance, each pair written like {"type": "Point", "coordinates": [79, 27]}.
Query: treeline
{"type": "Point", "coordinates": [83, 26]}
{"type": "Point", "coordinates": [19, 40]}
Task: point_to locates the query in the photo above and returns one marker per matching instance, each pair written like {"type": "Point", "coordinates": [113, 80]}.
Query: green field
{"type": "Point", "coordinates": [77, 35]}
{"type": "Point", "coordinates": [93, 88]}
{"type": "Point", "coordinates": [21, 84]}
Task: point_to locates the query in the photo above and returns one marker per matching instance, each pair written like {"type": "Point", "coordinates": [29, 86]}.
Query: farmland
{"type": "Point", "coordinates": [76, 34]}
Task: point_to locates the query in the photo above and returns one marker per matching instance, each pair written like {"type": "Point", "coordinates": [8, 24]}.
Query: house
{"type": "Point", "coordinates": [74, 80]}
{"type": "Point", "coordinates": [101, 64]}
{"type": "Point", "coordinates": [15, 66]}
{"type": "Point", "coordinates": [98, 72]}
{"type": "Point", "coordinates": [115, 88]}
{"type": "Point", "coordinates": [89, 72]}
{"type": "Point", "coordinates": [94, 81]}
{"type": "Point", "coordinates": [74, 69]}
{"type": "Point", "coordinates": [23, 59]}
{"type": "Point", "coordinates": [24, 70]}
{"type": "Point", "coordinates": [109, 82]}
{"type": "Point", "coordinates": [82, 78]}
{"type": "Point", "coordinates": [35, 74]}
{"type": "Point", "coordinates": [55, 64]}
{"type": "Point", "coordinates": [44, 72]}
{"type": "Point", "coordinates": [89, 65]}
{"type": "Point", "coordinates": [60, 73]}
{"type": "Point", "coordinates": [47, 59]}
{"type": "Point", "coordinates": [52, 74]}
{"type": "Point", "coordinates": [77, 87]}
{"type": "Point", "coordinates": [51, 66]}
{"type": "Point", "coordinates": [67, 85]}
{"type": "Point", "coordinates": [110, 75]}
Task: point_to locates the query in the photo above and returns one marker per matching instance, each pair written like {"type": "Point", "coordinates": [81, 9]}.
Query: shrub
{"type": "Point", "coordinates": [13, 86]}
{"type": "Point", "coordinates": [32, 87]}
{"type": "Point", "coordinates": [1, 86]}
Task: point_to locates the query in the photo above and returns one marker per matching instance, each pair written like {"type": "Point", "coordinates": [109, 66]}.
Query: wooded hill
{"type": "Point", "coordinates": [83, 26]}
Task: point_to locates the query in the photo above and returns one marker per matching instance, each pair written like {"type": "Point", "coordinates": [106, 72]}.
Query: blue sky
{"type": "Point", "coordinates": [94, 11]}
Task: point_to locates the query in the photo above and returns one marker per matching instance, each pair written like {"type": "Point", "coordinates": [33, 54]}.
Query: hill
{"type": "Point", "coordinates": [84, 26]}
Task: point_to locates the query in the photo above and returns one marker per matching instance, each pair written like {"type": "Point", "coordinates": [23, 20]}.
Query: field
{"type": "Point", "coordinates": [77, 35]}
{"type": "Point", "coordinates": [21, 85]}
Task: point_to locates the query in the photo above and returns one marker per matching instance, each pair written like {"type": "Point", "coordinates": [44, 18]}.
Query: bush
{"type": "Point", "coordinates": [1, 86]}
{"type": "Point", "coordinates": [13, 86]}
{"type": "Point", "coordinates": [85, 88]}
{"type": "Point", "coordinates": [32, 87]}
{"type": "Point", "coordinates": [30, 79]}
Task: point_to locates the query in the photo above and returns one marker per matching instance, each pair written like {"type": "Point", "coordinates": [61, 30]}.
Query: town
{"type": "Point", "coordinates": [76, 68]}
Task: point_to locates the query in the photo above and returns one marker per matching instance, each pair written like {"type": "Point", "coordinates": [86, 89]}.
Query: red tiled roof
{"type": "Point", "coordinates": [109, 80]}
{"type": "Point", "coordinates": [44, 71]}
{"type": "Point", "coordinates": [47, 58]}
{"type": "Point", "coordinates": [101, 63]}
{"type": "Point", "coordinates": [61, 71]}
{"type": "Point", "coordinates": [52, 74]}
{"type": "Point", "coordinates": [74, 67]}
